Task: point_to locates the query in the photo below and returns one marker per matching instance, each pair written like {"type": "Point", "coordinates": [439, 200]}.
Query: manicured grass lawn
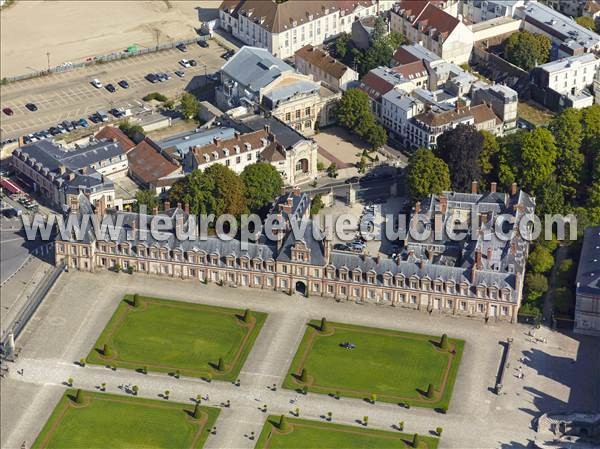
{"type": "Point", "coordinates": [110, 421]}
{"type": "Point", "coordinates": [167, 336]}
{"type": "Point", "coordinates": [395, 366]}
{"type": "Point", "coordinates": [302, 433]}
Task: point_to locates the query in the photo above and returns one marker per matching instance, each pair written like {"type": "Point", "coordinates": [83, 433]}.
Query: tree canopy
{"type": "Point", "coordinates": [426, 174]}
{"type": "Point", "coordinates": [354, 113]}
{"type": "Point", "coordinates": [461, 149]}
{"type": "Point", "coordinates": [147, 198]}
{"type": "Point", "coordinates": [527, 50]}
{"type": "Point", "coordinates": [189, 105]}
{"type": "Point", "coordinates": [262, 184]}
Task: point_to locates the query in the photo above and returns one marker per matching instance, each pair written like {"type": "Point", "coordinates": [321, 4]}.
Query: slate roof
{"type": "Point", "coordinates": [588, 272]}
{"type": "Point", "coordinates": [182, 142]}
{"type": "Point", "coordinates": [285, 135]}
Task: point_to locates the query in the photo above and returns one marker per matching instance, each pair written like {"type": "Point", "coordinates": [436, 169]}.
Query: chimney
{"type": "Point", "coordinates": [417, 208]}
{"type": "Point", "coordinates": [478, 259]}
{"type": "Point", "coordinates": [216, 141]}
{"type": "Point", "coordinates": [513, 248]}
{"type": "Point", "coordinates": [493, 187]}
{"type": "Point", "coordinates": [513, 189]}
{"type": "Point", "coordinates": [100, 207]}
{"type": "Point", "coordinates": [134, 227]}
{"type": "Point", "coordinates": [186, 208]}
{"type": "Point", "coordinates": [473, 274]}
{"type": "Point", "coordinates": [296, 191]}
{"type": "Point", "coordinates": [443, 204]}
{"type": "Point", "coordinates": [236, 134]}
{"type": "Point", "coordinates": [489, 256]}
{"type": "Point", "coordinates": [167, 205]}
{"type": "Point", "coordinates": [474, 187]}
{"type": "Point", "coordinates": [378, 259]}
{"type": "Point", "coordinates": [268, 128]}
{"type": "Point", "coordinates": [155, 210]}
{"type": "Point", "coordinates": [327, 250]}
{"type": "Point", "coordinates": [290, 201]}
{"type": "Point", "coordinates": [178, 205]}
{"type": "Point", "coordinates": [430, 255]}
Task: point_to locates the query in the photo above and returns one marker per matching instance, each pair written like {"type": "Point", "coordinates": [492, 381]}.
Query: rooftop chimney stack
{"type": "Point", "coordinates": [167, 205]}
{"type": "Point", "coordinates": [513, 189]}
{"type": "Point", "coordinates": [216, 141]}
{"type": "Point", "coordinates": [417, 208]}
{"type": "Point", "coordinates": [443, 204]}
{"type": "Point", "coordinates": [186, 208]}
{"type": "Point", "coordinates": [155, 210]}
{"type": "Point", "coordinates": [478, 259]}
{"type": "Point", "coordinates": [474, 187]}
{"type": "Point", "coordinates": [493, 187]}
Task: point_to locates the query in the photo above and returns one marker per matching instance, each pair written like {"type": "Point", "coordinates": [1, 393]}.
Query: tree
{"type": "Point", "coordinates": [282, 423]}
{"type": "Point", "coordinates": [373, 398]}
{"type": "Point", "coordinates": [316, 204]}
{"type": "Point", "coordinates": [262, 183]}
{"type": "Point", "coordinates": [439, 431]}
{"type": "Point", "coordinates": [130, 130]}
{"type": "Point", "coordinates": [304, 375]}
{"type": "Point", "coordinates": [535, 286]}
{"type": "Point", "coordinates": [136, 300]}
{"type": "Point", "coordinates": [538, 157]}
{"type": "Point", "coordinates": [365, 420]}
{"type": "Point", "coordinates": [379, 29]}
{"type": "Point", "coordinates": [416, 440]}
{"type": "Point", "coordinates": [332, 170]}
{"type": "Point", "coordinates": [354, 111]}
{"type": "Point", "coordinates": [189, 105]}
{"type": "Point", "coordinates": [489, 152]}
{"type": "Point", "coordinates": [401, 426]}
{"type": "Point", "coordinates": [70, 381]}
{"type": "Point", "coordinates": [376, 136]}
{"type": "Point", "coordinates": [197, 412]}
{"type": "Point", "coordinates": [147, 198]}
{"type": "Point", "coordinates": [79, 396]}
{"type": "Point", "coordinates": [565, 273]}
{"type": "Point", "coordinates": [221, 365]}
{"type": "Point", "coordinates": [106, 352]}
{"type": "Point", "coordinates": [593, 194]}
{"type": "Point", "coordinates": [395, 40]}
{"type": "Point", "coordinates": [216, 190]}
{"type": "Point", "coordinates": [135, 390]}
{"type": "Point", "coordinates": [166, 394]}
{"type": "Point", "coordinates": [362, 164]}
{"type": "Point", "coordinates": [329, 416]}
{"type": "Point", "coordinates": [323, 327]}
{"type": "Point", "coordinates": [444, 342]}
{"type": "Point", "coordinates": [461, 149]}
{"type": "Point", "coordinates": [551, 199]}
{"type": "Point", "coordinates": [247, 316]}
{"type": "Point", "coordinates": [430, 391]}
{"type": "Point", "coordinates": [540, 260]}
{"type": "Point", "coordinates": [341, 45]}
{"type": "Point", "coordinates": [527, 50]}
{"type": "Point", "coordinates": [568, 136]}
{"type": "Point", "coordinates": [563, 300]}
{"type": "Point", "coordinates": [426, 174]}
{"type": "Point", "coordinates": [587, 22]}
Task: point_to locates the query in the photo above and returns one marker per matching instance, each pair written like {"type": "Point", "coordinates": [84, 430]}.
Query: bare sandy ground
{"type": "Point", "coordinates": [79, 29]}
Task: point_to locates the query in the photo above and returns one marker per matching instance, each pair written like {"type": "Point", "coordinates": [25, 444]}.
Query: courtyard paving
{"type": "Point", "coordinates": [557, 374]}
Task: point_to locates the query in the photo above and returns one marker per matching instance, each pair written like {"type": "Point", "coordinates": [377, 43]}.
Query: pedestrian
{"type": "Point", "coordinates": [206, 398]}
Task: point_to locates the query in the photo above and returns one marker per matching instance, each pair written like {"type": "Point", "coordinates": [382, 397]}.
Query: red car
{"type": "Point", "coordinates": [8, 111]}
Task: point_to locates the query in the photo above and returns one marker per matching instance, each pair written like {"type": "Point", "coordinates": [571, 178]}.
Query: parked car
{"type": "Point", "coordinates": [83, 123]}
{"type": "Point", "coordinates": [124, 84]}
{"type": "Point", "coordinates": [111, 88]}
{"type": "Point", "coordinates": [163, 76]}
{"type": "Point", "coordinates": [352, 180]}
{"type": "Point", "coordinates": [341, 247]}
{"type": "Point", "coordinates": [54, 131]}
{"type": "Point", "coordinates": [32, 107]}
{"type": "Point", "coordinates": [117, 113]}
{"type": "Point", "coordinates": [203, 44]}
{"type": "Point", "coordinates": [152, 78]}
{"type": "Point", "coordinates": [193, 62]}
{"type": "Point", "coordinates": [228, 54]}
{"type": "Point", "coordinates": [95, 118]}
{"type": "Point", "coordinates": [185, 63]}
{"type": "Point", "coordinates": [182, 47]}
{"type": "Point", "coordinates": [103, 116]}
{"type": "Point", "coordinates": [8, 111]}
{"type": "Point", "coordinates": [96, 83]}
{"type": "Point", "coordinates": [67, 125]}
{"type": "Point", "coordinates": [179, 73]}
{"type": "Point", "coordinates": [213, 77]}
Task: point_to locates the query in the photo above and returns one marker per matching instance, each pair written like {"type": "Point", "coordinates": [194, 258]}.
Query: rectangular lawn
{"type": "Point", "coordinates": [110, 421]}
{"type": "Point", "coordinates": [171, 336]}
{"type": "Point", "coordinates": [395, 366]}
{"type": "Point", "coordinates": [301, 433]}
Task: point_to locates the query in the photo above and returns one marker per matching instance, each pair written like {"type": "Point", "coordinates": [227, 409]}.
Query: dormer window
{"type": "Point", "coordinates": [226, 152]}
{"type": "Point", "coordinates": [236, 149]}
{"type": "Point", "coordinates": [215, 155]}
{"type": "Point", "coordinates": [247, 146]}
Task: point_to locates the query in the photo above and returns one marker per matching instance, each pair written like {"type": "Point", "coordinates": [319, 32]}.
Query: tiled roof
{"type": "Point", "coordinates": [433, 118]}
{"type": "Point", "coordinates": [112, 133]}
{"type": "Point", "coordinates": [428, 17]}
{"type": "Point", "coordinates": [483, 113]}
{"type": "Point", "coordinates": [592, 7]}
{"type": "Point", "coordinates": [375, 86]}
{"type": "Point", "coordinates": [403, 56]}
{"type": "Point", "coordinates": [254, 139]}
{"type": "Point", "coordinates": [323, 61]}
{"type": "Point", "coordinates": [412, 70]}
{"type": "Point", "coordinates": [273, 153]}
{"type": "Point", "coordinates": [278, 17]}
{"type": "Point", "coordinates": [148, 164]}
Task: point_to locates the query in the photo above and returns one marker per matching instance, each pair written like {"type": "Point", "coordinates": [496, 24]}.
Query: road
{"type": "Point", "coordinates": [70, 96]}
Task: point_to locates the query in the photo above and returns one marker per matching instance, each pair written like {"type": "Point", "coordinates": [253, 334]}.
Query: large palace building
{"type": "Point", "coordinates": [480, 276]}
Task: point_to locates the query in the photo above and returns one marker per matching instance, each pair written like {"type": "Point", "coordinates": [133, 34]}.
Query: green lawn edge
{"type": "Point", "coordinates": [272, 420]}
{"type": "Point", "coordinates": [93, 358]}
{"type": "Point", "coordinates": [55, 416]}
{"type": "Point", "coordinates": [444, 400]}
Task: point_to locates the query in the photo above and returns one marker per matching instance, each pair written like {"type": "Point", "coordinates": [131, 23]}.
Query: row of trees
{"type": "Point", "coordinates": [219, 190]}
{"type": "Point", "coordinates": [379, 53]}
{"type": "Point", "coordinates": [354, 113]}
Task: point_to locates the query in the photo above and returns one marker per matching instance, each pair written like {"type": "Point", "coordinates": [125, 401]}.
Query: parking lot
{"type": "Point", "coordinates": [70, 95]}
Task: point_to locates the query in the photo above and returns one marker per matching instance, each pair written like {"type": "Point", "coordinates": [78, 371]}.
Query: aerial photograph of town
{"type": "Point", "coordinates": [300, 224]}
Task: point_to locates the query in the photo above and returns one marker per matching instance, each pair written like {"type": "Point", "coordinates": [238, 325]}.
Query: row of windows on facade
{"type": "Point", "coordinates": [331, 273]}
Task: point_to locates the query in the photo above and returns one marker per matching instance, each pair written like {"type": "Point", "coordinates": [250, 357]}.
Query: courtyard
{"type": "Point", "coordinates": [109, 421]}
{"type": "Point", "coordinates": [300, 433]}
{"type": "Point", "coordinates": [178, 338]}
{"type": "Point", "coordinates": [376, 364]}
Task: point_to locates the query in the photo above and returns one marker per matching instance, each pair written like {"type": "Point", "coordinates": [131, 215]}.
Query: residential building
{"type": "Point", "coordinates": [587, 285]}
{"type": "Point", "coordinates": [571, 79]}
{"type": "Point", "coordinates": [153, 168]}
{"type": "Point", "coordinates": [254, 78]}
{"type": "Point", "coordinates": [313, 61]}
{"type": "Point", "coordinates": [284, 27]}
{"type": "Point", "coordinates": [573, 8]}
{"type": "Point", "coordinates": [58, 176]}
{"type": "Point", "coordinates": [424, 129]}
{"type": "Point", "coordinates": [113, 133]}
{"type": "Point", "coordinates": [568, 37]}
{"type": "Point", "coordinates": [592, 9]}
{"type": "Point", "coordinates": [398, 108]}
{"type": "Point", "coordinates": [476, 11]}
{"type": "Point", "coordinates": [477, 278]}
{"type": "Point", "coordinates": [503, 100]}
{"type": "Point", "coordinates": [362, 31]}
{"type": "Point", "coordinates": [178, 145]}
{"type": "Point", "coordinates": [424, 23]}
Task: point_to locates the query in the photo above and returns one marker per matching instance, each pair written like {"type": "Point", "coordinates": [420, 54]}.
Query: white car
{"type": "Point", "coordinates": [185, 63]}
{"type": "Point", "coordinates": [96, 83]}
